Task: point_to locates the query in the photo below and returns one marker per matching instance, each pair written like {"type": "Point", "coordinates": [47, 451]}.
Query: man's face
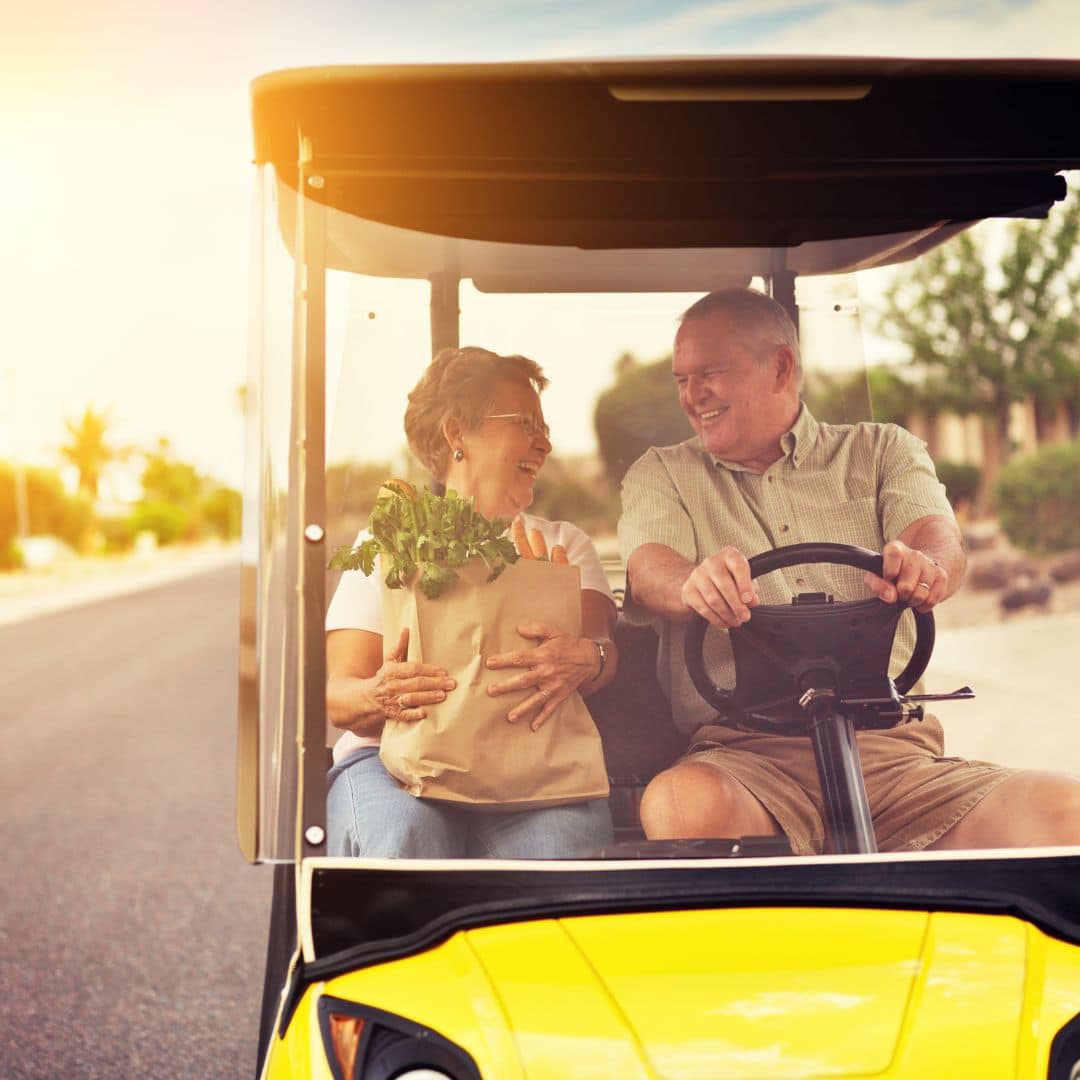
{"type": "Point", "coordinates": [733, 389]}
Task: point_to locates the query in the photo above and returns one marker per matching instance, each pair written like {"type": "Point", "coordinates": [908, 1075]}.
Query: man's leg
{"type": "Point", "coordinates": [694, 800]}
{"type": "Point", "coordinates": [1030, 809]}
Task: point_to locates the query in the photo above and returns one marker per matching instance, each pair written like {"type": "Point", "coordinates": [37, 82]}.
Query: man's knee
{"type": "Point", "coordinates": [693, 800]}
{"type": "Point", "coordinates": [1054, 803]}
{"type": "Point", "coordinates": [1030, 809]}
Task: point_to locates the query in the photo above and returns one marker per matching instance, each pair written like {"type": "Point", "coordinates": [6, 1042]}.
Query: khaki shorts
{"type": "Point", "coordinates": [916, 794]}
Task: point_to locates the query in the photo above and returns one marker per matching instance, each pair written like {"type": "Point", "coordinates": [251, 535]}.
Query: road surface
{"type": "Point", "coordinates": [131, 930]}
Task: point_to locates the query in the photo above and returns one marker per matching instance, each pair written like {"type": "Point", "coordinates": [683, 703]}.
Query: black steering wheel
{"type": "Point", "coordinates": [803, 554]}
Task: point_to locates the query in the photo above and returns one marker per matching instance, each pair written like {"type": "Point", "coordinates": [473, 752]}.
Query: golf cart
{"type": "Point", "coordinates": [567, 210]}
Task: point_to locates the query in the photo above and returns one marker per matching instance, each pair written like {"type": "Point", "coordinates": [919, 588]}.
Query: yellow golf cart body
{"type": "Point", "coordinates": [462, 186]}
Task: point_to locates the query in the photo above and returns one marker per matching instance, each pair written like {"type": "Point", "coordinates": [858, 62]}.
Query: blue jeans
{"type": "Point", "coordinates": [368, 814]}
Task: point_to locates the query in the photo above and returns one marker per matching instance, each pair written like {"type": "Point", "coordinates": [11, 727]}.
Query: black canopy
{"type": "Point", "coordinates": [768, 152]}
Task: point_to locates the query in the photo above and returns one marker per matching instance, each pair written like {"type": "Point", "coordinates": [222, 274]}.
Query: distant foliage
{"type": "Point", "coordinates": [562, 494]}
{"type": "Point", "coordinates": [351, 487]}
{"type": "Point", "coordinates": [11, 556]}
{"type": "Point", "coordinates": [167, 522]}
{"type": "Point", "coordinates": [961, 481]}
{"type": "Point", "coordinates": [50, 509]}
{"type": "Point", "coordinates": [640, 410]}
{"type": "Point", "coordinates": [180, 503]}
{"type": "Point", "coordinates": [165, 479]}
{"type": "Point", "coordinates": [985, 332]}
{"type": "Point", "coordinates": [222, 509]}
{"type": "Point", "coordinates": [879, 394]}
{"type": "Point", "coordinates": [116, 534]}
{"type": "Point", "coordinates": [90, 449]}
{"type": "Point", "coordinates": [1038, 499]}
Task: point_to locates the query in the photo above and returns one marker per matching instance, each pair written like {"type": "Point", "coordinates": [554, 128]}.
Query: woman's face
{"type": "Point", "coordinates": [503, 454]}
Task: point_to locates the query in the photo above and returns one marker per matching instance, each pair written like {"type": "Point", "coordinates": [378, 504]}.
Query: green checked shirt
{"type": "Point", "coordinates": [857, 484]}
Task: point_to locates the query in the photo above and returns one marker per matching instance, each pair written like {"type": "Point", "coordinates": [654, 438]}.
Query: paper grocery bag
{"type": "Point", "coordinates": [465, 751]}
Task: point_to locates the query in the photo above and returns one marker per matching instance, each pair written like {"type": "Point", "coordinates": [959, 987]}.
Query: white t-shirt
{"type": "Point", "coordinates": [357, 603]}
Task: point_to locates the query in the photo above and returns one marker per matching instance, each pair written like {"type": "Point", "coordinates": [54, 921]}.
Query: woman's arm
{"type": "Point", "coordinates": [598, 617]}
{"type": "Point", "coordinates": [364, 689]}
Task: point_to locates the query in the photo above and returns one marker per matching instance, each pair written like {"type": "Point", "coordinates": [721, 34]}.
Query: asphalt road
{"type": "Point", "coordinates": [132, 933]}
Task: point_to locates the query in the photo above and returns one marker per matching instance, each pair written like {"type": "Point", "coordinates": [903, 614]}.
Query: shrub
{"type": "Point", "coordinates": [51, 511]}
{"type": "Point", "coordinates": [117, 534]}
{"type": "Point", "coordinates": [221, 512]}
{"type": "Point", "coordinates": [1038, 499]}
{"type": "Point", "coordinates": [167, 522]}
{"type": "Point", "coordinates": [961, 481]}
{"type": "Point", "coordinates": [11, 557]}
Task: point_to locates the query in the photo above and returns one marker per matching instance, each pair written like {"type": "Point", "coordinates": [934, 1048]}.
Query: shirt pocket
{"type": "Point", "coordinates": [854, 522]}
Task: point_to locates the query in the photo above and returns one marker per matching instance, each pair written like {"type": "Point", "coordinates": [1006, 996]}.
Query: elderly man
{"type": "Point", "coordinates": [761, 473]}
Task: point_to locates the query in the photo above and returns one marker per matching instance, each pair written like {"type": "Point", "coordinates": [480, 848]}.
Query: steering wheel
{"type": "Point", "coordinates": [804, 554]}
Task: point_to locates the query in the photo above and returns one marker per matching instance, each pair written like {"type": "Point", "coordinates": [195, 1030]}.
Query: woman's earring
{"type": "Point", "coordinates": [459, 454]}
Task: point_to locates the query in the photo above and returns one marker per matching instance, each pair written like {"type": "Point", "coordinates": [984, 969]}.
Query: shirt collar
{"type": "Point", "coordinates": [799, 440]}
{"type": "Point", "coordinates": [796, 442]}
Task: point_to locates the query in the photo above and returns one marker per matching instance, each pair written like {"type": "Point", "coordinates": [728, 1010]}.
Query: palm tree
{"type": "Point", "coordinates": [89, 450]}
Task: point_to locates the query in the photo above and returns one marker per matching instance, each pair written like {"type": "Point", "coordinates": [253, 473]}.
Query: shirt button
{"type": "Point", "coordinates": [800, 581]}
{"type": "Point", "coordinates": [783, 528]}
{"type": "Point", "coordinates": [770, 479]}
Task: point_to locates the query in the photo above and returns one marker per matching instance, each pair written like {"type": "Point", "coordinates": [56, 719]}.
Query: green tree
{"type": "Point", "coordinates": [167, 479]}
{"type": "Point", "coordinates": [563, 493]}
{"type": "Point", "coordinates": [880, 393]}
{"type": "Point", "coordinates": [180, 503]}
{"type": "Point", "coordinates": [89, 449]}
{"type": "Point", "coordinates": [640, 410]}
{"type": "Point", "coordinates": [51, 510]}
{"type": "Point", "coordinates": [986, 331]}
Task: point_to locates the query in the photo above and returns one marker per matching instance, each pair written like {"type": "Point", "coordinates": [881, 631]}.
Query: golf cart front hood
{"type": "Point", "coordinates": [709, 990]}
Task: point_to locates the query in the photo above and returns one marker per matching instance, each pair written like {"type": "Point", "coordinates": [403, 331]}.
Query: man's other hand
{"type": "Point", "coordinates": [909, 575]}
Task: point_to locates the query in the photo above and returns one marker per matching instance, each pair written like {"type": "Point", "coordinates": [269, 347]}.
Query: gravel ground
{"type": "Point", "coordinates": [971, 606]}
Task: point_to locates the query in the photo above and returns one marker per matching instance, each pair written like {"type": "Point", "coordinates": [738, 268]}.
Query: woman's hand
{"type": "Point", "coordinates": [402, 689]}
{"type": "Point", "coordinates": [555, 669]}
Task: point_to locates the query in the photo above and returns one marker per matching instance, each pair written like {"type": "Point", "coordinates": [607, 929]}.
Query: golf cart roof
{"type": "Point", "coordinates": [742, 152]}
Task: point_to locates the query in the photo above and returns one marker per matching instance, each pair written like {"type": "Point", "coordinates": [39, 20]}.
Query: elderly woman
{"type": "Point", "coordinates": [475, 420]}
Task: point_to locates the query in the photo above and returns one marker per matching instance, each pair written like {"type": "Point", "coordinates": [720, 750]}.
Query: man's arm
{"type": "Point", "coordinates": [719, 588]}
{"type": "Point", "coordinates": [924, 565]}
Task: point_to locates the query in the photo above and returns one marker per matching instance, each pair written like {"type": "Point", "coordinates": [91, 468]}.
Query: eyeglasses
{"type": "Point", "coordinates": [529, 424]}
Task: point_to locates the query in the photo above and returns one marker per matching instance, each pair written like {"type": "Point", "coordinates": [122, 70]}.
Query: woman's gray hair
{"type": "Point", "coordinates": [749, 307]}
{"type": "Point", "coordinates": [459, 385]}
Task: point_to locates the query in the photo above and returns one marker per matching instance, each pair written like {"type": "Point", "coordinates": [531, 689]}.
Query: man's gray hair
{"type": "Point", "coordinates": [749, 307]}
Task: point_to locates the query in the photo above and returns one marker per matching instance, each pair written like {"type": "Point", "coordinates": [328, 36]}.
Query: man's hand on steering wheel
{"type": "Point", "coordinates": [910, 576]}
{"type": "Point", "coordinates": [720, 589]}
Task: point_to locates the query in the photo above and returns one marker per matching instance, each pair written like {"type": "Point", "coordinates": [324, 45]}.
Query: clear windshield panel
{"type": "Point", "coordinates": [601, 326]}
{"type": "Point", "coordinates": [267, 751]}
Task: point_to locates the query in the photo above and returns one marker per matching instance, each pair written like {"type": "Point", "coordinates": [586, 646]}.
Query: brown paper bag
{"type": "Point", "coordinates": [465, 751]}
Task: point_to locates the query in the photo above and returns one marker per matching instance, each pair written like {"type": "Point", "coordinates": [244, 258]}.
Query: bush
{"type": "Point", "coordinates": [51, 511]}
{"type": "Point", "coordinates": [11, 557]}
{"type": "Point", "coordinates": [221, 513]}
{"type": "Point", "coordinates": [961, 481]}
{"type": "Point", "coordinates": [563, 495]}
{"type": "Point", "coordinates": [1038, 500]}
{"type": "Point", "coordinates": [167, 522]}
{"type": "Point", "coordinates": [117, 534]}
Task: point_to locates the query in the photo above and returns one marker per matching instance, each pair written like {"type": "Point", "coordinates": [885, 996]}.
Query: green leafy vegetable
{"type": "Point", "coordinates": [430, 533]}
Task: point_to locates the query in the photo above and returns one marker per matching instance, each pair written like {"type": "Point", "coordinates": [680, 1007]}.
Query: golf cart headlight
{"type": "Point", "coordinates": [364, 1043]}
{"type": "Point", "coordinates": [1065, 1052]}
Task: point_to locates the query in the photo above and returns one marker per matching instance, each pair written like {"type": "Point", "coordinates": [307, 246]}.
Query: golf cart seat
{"type": "Point", "coordinates": [635, 724]}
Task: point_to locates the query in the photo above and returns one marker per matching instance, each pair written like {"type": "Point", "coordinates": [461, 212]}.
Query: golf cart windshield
{"type": "Point", "coordinates": [362, 280]}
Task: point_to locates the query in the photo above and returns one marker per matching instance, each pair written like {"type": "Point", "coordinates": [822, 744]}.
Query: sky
{"type": "Point", "coordinates": [126, 181]}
